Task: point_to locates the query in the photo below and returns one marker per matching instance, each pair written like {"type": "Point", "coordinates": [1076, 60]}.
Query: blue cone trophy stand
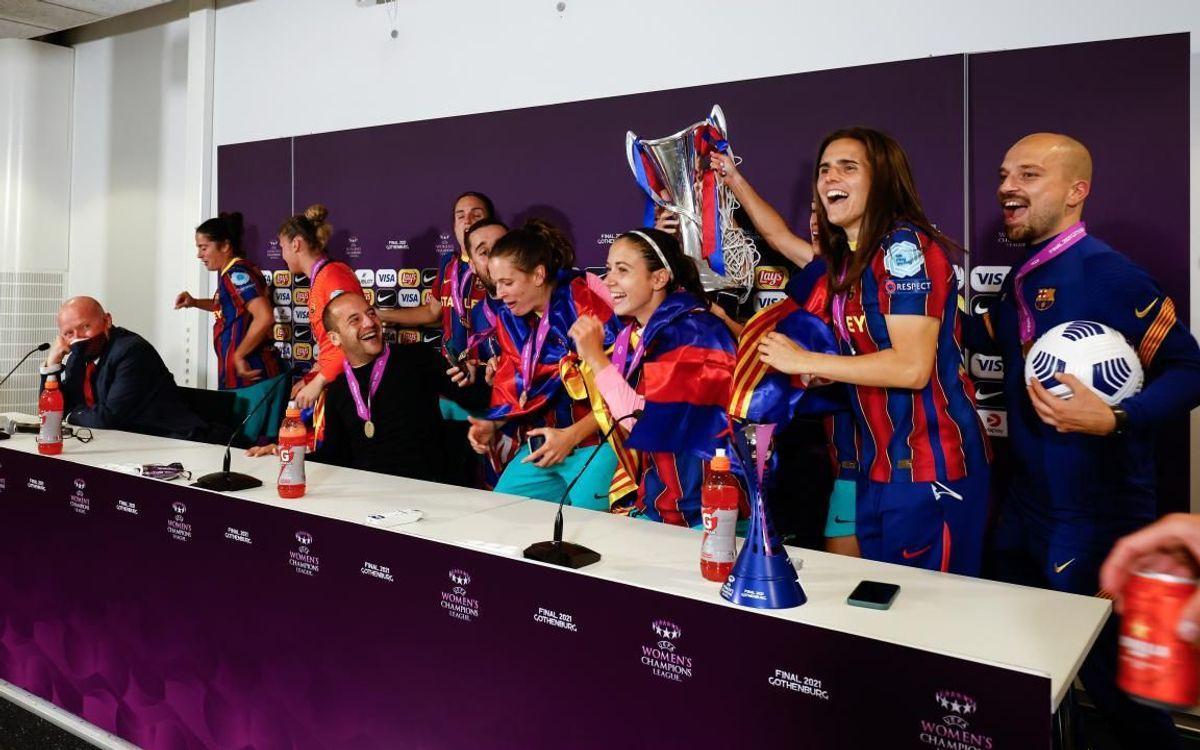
{"type": "Point", "coordinates": [763, 577]}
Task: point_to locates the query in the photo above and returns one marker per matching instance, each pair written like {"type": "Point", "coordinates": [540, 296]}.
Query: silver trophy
{"type": "Point", "coordinates": [678, 167]}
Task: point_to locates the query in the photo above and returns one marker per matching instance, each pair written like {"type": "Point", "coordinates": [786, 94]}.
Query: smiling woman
{"type": "Point", "coordinates": [922, 499]}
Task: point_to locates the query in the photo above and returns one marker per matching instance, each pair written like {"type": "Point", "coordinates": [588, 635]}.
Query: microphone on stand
{"type": "Point", "coordinates": [567, 554]}
{"type": "Point", "coordinates": [5, 434]}
{"type": "Point", "coordinates": [30, 353]}
{"type": "Point", "coordinates": [231, 481]}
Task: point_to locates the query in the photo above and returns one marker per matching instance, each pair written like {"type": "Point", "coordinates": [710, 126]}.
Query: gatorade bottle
{"type": "Point", "coordinates": [50, 410]}
{"type": "Point", "coordinates": [293, 443]}
{"type": "Point", "coordinates": [719, 509]}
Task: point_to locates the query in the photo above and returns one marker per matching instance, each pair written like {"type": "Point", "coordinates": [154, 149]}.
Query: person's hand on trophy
{"type": "Point", "coordinates": [725, 167]}
{"type": "Point", "coordinates": [667, 221]}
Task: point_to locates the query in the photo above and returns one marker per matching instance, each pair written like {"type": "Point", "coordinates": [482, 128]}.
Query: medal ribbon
{"type": "Point", "coordinates": [364, 409]}
{"type": "Point", "coordinates": [1072, 235]}
{"type": "Point", "coordinates": [532, 351]}
{"type": "Point", "coordinates": [620, 352]}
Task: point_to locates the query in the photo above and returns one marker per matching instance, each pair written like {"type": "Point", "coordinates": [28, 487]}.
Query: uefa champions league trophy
{"type": "Point", "coordinates": [763, 577]}
{"type": "Point", "coordinates": [679, 166]}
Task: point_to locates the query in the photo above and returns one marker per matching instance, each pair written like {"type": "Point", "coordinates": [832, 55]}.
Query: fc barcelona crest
{"type": "Point", "coordinates": [1044, 299]}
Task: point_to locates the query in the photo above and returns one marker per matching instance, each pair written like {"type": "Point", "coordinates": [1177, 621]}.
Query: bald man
{"type": "Point", "coordinates": [1083, 473]}
{"type": "Point", "coordinates": [113, 378]}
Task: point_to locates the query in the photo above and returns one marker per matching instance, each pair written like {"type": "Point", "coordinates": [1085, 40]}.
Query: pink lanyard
{"type": "Point", "coordinates": [474, 339]}
{"type": "Point", "coordinates": [532, 351]}
{"type": "Point", "coordinates": [620, 352]}
{"type": "Point", "coordinates": [457, 289]}
{"type": "Point", "coordinates": [364, 408]}
{"type": "Point", "coordinates": [316, 269]}
{"type": "Point", "coordinates": [839, 310]}
{"type": "Point", "coordinates": [1060, 245]}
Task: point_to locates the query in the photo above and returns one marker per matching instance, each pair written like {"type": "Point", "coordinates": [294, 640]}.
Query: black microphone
{"type": "Point", "coordinates": [568, 554]}
{"type": "Point", "coordinates": [231, 481]}
{"type": "Point", "coordinates": [30, 353]}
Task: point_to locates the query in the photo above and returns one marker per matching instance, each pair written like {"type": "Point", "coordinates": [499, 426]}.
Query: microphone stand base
{"type": "Point", "coordinates": [227, 481]}
{"type": "Point", "coordinates": [563, 554]}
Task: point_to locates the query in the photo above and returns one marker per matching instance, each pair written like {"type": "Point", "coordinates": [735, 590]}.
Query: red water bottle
{"type": "Point", "coordinates": [50, 411]}
{"type": "Point", "coordinates": [293, 443]}
{"type": "Point", "coordinates": [719, 509]}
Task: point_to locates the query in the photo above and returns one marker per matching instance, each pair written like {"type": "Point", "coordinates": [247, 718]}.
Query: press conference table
{"type": "Point", "coordinates": [1025, 631]}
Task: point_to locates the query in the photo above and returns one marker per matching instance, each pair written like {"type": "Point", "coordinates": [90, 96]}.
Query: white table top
{"type": "Point", "coordinates": [1027, 629]}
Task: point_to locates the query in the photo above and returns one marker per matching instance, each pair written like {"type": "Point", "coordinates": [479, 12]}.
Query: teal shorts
{"type": "Point", "coordinates": [842, 507]}
{"type": "Point", "coordinates": [591, 491]}
{"type": "Point", "coordinates": [451, 411]}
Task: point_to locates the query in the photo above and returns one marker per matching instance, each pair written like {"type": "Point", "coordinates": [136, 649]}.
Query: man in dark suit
{"type": "Point", "coordinates": [113, 378]}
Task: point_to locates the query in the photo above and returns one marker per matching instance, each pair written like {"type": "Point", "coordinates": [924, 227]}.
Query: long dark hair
{"type": "Point", "coordinates": [684, 274]}
{"type": "Point", "coordinates": [893, 197]}
{"type": "Point", "coordinates": [536, 243]}
{"type": "Point", "coordinates": [226, 227]}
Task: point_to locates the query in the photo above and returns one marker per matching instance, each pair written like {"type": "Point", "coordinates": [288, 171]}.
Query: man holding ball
{"type": "Point", "coordinates": [1083, 472]}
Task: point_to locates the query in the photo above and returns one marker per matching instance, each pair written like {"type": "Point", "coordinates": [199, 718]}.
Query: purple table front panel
{"type": "Point", "coordinates": [206, 621]}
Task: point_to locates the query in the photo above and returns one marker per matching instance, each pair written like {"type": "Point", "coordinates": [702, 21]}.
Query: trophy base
{"type": "Point", "coordinates": [764, 593]}
{"type": "Point", "coordinates": [563, 554]}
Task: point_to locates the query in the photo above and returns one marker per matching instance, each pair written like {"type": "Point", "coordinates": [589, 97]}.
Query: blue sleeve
{"type": "Point", "coordinates": [245, 283]}
{"type": "Point", "coordinates": [1146, 317]}
{"type": "Point", "coordinates": [917, 276]}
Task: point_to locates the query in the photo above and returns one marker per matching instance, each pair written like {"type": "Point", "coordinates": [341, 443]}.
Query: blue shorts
{"type": "Point", "coordinates": [932, 525]}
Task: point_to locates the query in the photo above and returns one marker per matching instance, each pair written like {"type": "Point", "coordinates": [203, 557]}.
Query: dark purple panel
{"type": "Point", "coordinates": [1127, 100]}
{"type": "Point", "coordinates": [256, 179]}
{"type": "Point", "coordinates": [204, 621]}
{"type": "Point", "coordinates": [567, 162]}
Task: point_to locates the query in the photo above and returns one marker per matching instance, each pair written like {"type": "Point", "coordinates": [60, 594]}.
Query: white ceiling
{"type": "Point", "coordinates": [25, 19]}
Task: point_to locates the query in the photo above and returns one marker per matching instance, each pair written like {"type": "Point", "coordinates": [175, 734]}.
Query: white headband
{"type": "Point", "coordinates": [657, 251]}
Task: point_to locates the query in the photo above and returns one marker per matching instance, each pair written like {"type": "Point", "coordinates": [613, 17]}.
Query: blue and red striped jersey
{"type": "Point", "coordinates": [544, 402]}
{"type": "Point", "coordinates": [239, 284]}
{"type": "Point", "coordinates": [454, 270]}
{"type": "Point", "coordinates": [904, 435]}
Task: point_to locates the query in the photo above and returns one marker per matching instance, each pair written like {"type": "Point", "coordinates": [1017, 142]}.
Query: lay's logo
{"type": "Point", "coordinates": [409, 277]}
{"type": "Point", "coordinates": [281, 332]}
{"type": "Point", "coordinates": [427, 297]}
{"type": "Point", "coordinates": [770, 277]}
{"type": "Point", "coordinates": [409, 336]}
{"type": "Point", "coordinates": [300, 297]}
{"type": "Point", "coordinates": [282, 278]}
{"type": "Point", "coordinates": [302, 352]}
{"type": "Point", "coordinates": [370, 295]}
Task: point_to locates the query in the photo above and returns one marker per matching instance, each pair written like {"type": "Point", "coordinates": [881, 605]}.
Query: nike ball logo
{"type": "Point", "coordinates": [1061, 568]}
{"type": "Point", "coordinates": [1146, 310]}
{"type": "Point", "coordinates": [910, 555]}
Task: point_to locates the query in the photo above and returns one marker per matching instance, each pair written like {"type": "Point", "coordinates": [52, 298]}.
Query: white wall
{"type": "Point", "coordinates": [131, 244]}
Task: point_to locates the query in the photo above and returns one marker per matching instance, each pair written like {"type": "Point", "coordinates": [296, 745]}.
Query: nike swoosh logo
{"type": "Point", "coordinates": [1061, 568]}
{"type": "Point", "coordinates": [910, 555]}
{"type": "Point", "coordinates": [1146, 311]}
{"type": "Point", "coordinates": [839, 519]}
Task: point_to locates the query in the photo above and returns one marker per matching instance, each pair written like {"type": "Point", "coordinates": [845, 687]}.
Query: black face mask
{"type": "Point", "coordinates": [91, 348]}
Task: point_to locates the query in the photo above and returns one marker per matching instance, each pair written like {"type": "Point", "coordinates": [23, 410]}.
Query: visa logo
{"type": "Point", "coordinates": [282, 296]}
{"type": "Point", "coordinates": [763, 300]}
{"type": "Point", "coordinates": [986, 367]}
{"type": "Point", "coordinates": [408, 298]}
{"type": "Point", "coordinates": [988, 278]}
{"type": "Point", "coordinates": [385, 277]}
{"type": "Point", "coordinates": [300, 314]}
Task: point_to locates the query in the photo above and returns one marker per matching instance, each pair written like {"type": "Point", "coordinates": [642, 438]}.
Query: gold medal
{"type": "Point", "coordinates": [369, 429]}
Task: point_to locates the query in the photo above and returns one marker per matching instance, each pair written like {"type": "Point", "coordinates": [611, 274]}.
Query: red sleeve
{"type": "Point", "coordinates": [336, 278]}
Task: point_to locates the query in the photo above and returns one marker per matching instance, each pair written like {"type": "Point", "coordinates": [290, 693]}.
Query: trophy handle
{"type": "Point", "coordinates": [633, 155]}
{"type": "Point", "coordinates": [717, 118]}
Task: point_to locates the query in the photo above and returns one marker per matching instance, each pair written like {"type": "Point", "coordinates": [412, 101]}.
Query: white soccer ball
{"type": "Point", "coordinates": [1096, 354]}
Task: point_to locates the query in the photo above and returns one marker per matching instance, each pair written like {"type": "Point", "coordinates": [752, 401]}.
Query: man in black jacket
{"type": "Point", "coordinates": [382, 415]}
{"type": "Point", "coordinates": [112, 378]}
